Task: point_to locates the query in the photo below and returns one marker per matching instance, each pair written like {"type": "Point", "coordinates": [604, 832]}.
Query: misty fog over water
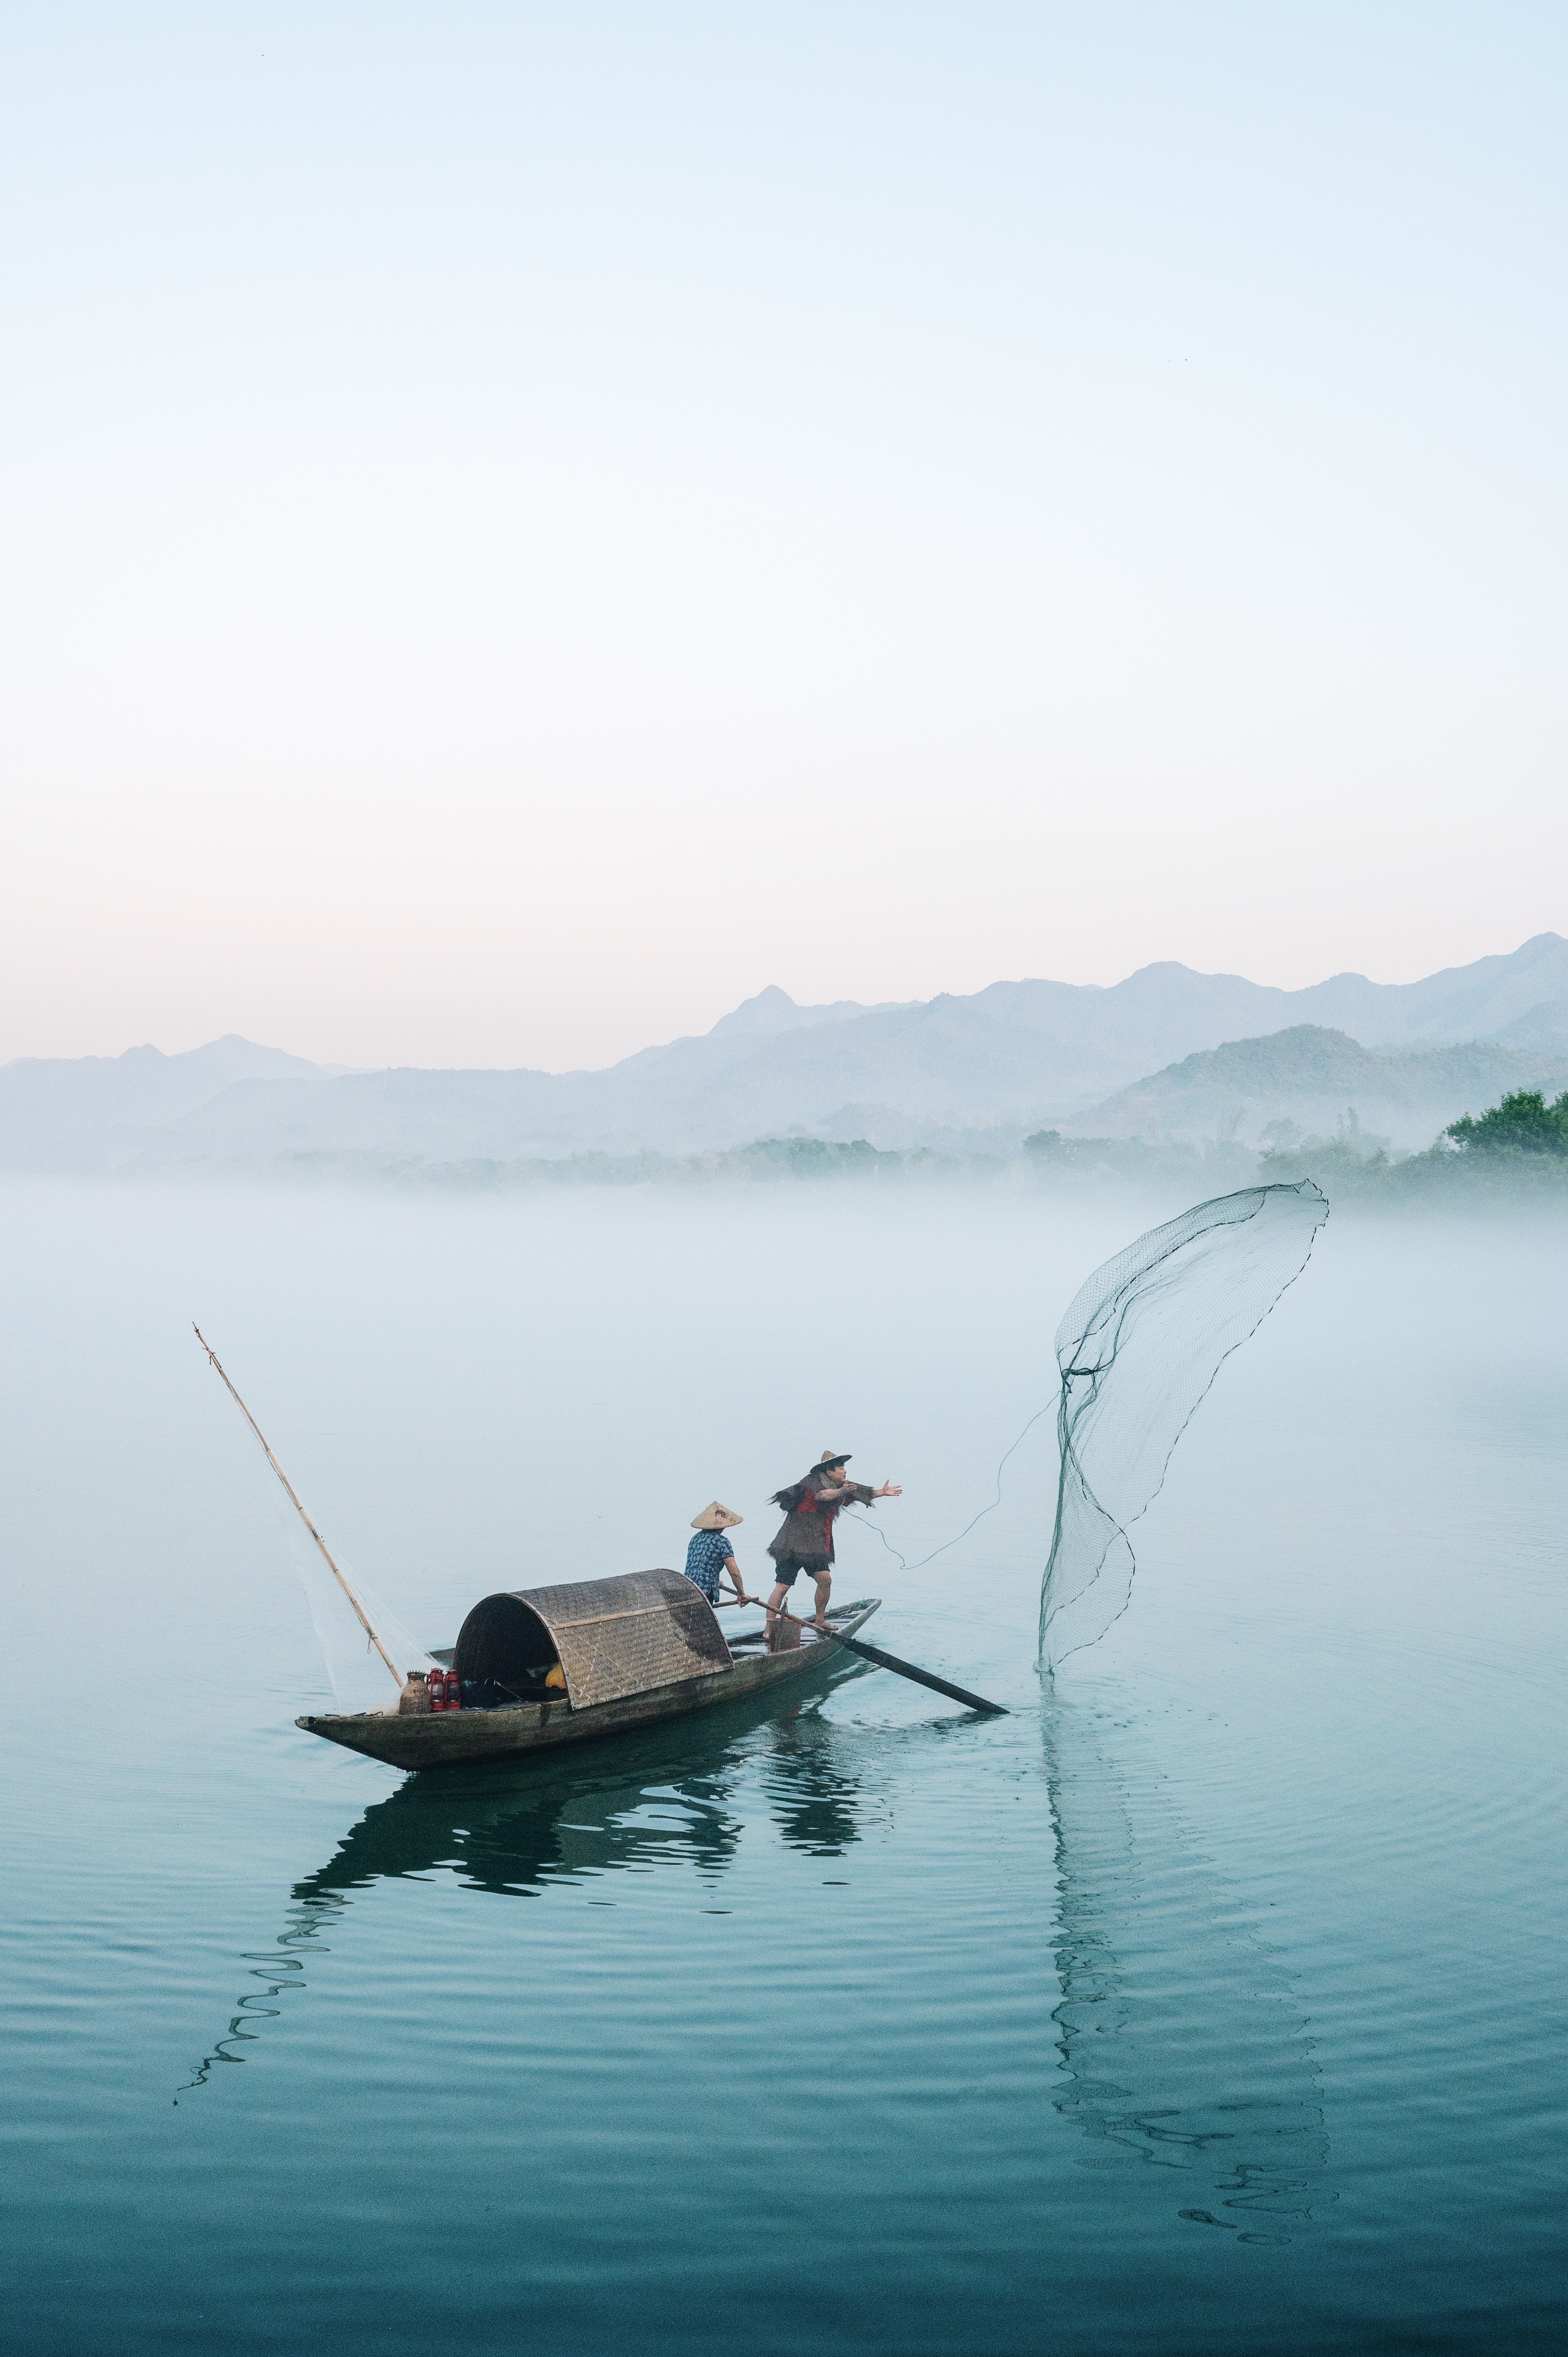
{"type": "Point", "coordinates": [1215, 1992]}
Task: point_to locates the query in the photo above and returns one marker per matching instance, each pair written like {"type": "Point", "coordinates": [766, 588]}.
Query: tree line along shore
{"type": "Point", "coordinates": [1516, 1150]}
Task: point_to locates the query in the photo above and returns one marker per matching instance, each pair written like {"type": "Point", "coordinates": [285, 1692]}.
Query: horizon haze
{"type": "Point", "coordinates": [1165, 1053]}
{"type": "Point", "coordinates": [524, 529]}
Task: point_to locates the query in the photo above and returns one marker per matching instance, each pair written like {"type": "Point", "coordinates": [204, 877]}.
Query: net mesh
{"type": "Point", "coordinates": [361, 1679]}
{"type": "Point", "coordinates": [1141, 1341]}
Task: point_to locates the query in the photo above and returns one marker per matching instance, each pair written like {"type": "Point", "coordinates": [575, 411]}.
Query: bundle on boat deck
{"type": "Point", "coordinates": [644, 1646]}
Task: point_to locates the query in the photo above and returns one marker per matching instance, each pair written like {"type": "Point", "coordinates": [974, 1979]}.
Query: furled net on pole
{"type": "Point", "coordinates": [1141, 1343]}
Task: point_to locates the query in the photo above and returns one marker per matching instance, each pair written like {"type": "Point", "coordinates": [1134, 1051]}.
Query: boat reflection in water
{"type": "Point", "coordinates": [1183, 2046]}
{"type": "Point", "coordinates": [665, 1796]}
{"type": "Point", "coordinates": [815, 1799]}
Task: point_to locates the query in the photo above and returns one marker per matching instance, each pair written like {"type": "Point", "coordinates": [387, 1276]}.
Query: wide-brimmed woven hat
{"type": "Point", "coordinates": [831, 1457]}
{"type": "Point", "coordinates": [715, 1518]}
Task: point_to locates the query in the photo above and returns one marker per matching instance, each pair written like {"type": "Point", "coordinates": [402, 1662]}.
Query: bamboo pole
{"type": "Point", "coordinates": [299, 1509]}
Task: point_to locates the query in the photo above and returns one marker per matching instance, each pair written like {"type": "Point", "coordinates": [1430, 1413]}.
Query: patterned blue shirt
{"type": "Point", "coordinates": [705, 1558]}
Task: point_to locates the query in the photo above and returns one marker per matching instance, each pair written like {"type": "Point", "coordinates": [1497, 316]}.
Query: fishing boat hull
{"type": "Point", "coordinates": [459, 1738]}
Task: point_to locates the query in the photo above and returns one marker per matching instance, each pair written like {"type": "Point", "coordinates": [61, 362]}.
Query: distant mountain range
{"type": "Point", "coordinates": [1315, 1078]}
{"type": "Point", "coordinates": [101, 1112]}
{"type": "Point", "coordinates": [962, 1072]}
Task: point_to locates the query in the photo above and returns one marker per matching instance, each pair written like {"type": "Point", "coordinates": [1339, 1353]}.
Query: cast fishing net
{"type": "Point", "coordinates": [1141, 1343]}
{"type": "Point", "coordinates": [344, 1614]}
{"type": "Point", "coordinates": [361, 1679]}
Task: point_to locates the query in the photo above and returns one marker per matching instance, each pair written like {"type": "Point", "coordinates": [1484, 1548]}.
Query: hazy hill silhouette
{"type": "Point", "coordinates": [95, 1111]}
{"type": "Point", "coordinates": [1314, 1076]}
{"type": "Point", "coordinates": [1008, 1057]}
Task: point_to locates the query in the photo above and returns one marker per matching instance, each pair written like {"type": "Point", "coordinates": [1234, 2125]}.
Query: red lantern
{"type": "Point", "coordinates": [454, 1691]}
{"type": "Point", "coordinates": [436, 1682]}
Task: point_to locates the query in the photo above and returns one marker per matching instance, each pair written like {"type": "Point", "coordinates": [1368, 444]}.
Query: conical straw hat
{"type": "Point", "coordinates": [715, 1518]}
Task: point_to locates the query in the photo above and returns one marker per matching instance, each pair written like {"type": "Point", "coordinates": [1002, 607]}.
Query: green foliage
{"type": "Point", "coordinates": [1338, 1164]}
{"type": "Point", "coordinates": [1517, 1153]}
{"type": "Point", "coordinates": [1148, 1161]}
{"type": "Point", "coordinates": [815, 1157]}
{"type": "Point", "coordinates": [1522, 1123]}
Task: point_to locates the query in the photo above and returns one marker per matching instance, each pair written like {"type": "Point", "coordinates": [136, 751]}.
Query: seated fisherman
{"type": "Point", "coordinates": [710, 1552]}
{"type": "Point", "coordinates": [805, 1540]}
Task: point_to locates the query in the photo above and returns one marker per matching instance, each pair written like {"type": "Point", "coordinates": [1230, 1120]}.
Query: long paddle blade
{"type": "Point", "coordinates": [921, 1677]}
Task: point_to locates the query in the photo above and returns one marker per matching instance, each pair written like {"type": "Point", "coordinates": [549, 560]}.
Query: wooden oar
{"type": "Point", "coordinates": [891, 1661]}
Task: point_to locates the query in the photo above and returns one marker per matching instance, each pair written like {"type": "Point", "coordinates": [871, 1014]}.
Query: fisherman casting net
{"type": "Point", "coordinates": [1141, 1343]}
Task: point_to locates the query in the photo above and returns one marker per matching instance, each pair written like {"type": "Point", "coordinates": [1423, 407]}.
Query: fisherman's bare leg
{"type": "Point", "coordinates": [824, 1589]}
{"type": "Point", "coordinates": [772, 1624]}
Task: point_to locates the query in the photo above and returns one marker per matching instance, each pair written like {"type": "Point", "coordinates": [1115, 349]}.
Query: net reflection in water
{"type": "Point", "coordinates": [1183, 2045]}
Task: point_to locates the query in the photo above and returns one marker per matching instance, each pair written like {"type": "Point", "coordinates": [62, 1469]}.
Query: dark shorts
{"type": "Point", "coordinates": [815, 1567]}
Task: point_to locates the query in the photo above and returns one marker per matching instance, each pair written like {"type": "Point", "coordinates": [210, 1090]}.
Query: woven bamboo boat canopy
{"type": "Point", "coordinates": [612, 1637]}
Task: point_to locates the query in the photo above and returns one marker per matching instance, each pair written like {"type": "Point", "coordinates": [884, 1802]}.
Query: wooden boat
{"type": "Point", "coordinates": [632, 1650]}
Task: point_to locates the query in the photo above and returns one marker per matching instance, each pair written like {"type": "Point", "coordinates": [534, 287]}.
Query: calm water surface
{"type": "Point", "coordinates": [1213, 2000]}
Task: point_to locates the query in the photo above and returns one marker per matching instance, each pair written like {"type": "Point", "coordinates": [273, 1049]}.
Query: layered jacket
{"type": "Point", "coordinates": [806, 1533]}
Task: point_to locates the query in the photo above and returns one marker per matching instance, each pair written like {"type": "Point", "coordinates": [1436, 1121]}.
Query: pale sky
{"type": "Point", "coordinates": [523, 524]}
